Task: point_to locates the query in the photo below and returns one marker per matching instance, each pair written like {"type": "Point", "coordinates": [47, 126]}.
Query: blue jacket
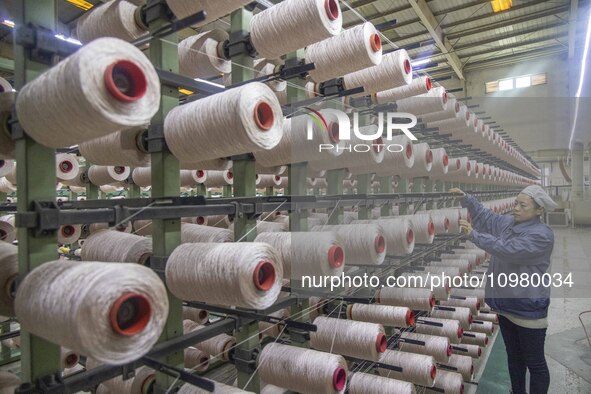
{"type": "Point", "coordinates": [516, 248]}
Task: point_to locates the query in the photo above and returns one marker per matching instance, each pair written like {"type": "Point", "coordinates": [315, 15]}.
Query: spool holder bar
{"type": "Point", "coordinates": [285, 73]}
{"type": "Point", "coordinates": [42, 45]}
{"type": "Point", "coordinates": [175, 372]}
{"type": "Point", "coordinates": [83, 381]}
{"type": "Point", "coordinates": [290, 109]}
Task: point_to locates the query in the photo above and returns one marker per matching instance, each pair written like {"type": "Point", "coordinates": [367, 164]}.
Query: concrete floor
{"type": "Point", "coordinates": [567, 352]}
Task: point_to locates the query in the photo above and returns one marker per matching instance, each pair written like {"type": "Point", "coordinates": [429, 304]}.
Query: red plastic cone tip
{"type": "Point", "coordinates": [66, 166]}
{"type": "Point", "coordinates": [407, 66]}
{"type": "Point", "coordinates": [378, 145]}
{"type": "Point", "coordinates": [263, 115]}
{"type": "Point", "coordinates": [471, 369]}
{"type": "Point", "coordinates": [486, 340]}
{"type": "Point", "coordinates": [119, 170]}
{"type": "Point", "coordinates": [477, 305]}
{"type": "Point", "coordinates": [200, 173]}
{"type": "Point", "coordinates": [130, 314]}
{"type": "Point", "coordinates": [381, 343]}
{"type": "Point", "coordinates": [433, 372]}
{"type": "Point", "coordinates": [470, 318]}
{"type": "Point", "coordinates": [446, 224]}
{"type": "Point", "coordinates": [200, 220]}
{"type": "Point", "coordinates": [71, 360]}
{"type": "Point", "coordinates": [429, 156]}
{"type": "Point", "coordinates": [408, 151]}
{"type": "Point", "coordinates": [68, 231]}
{"type": "Point", "coordinates": [445, 97]}
{"type": "Point", "coordinates": [380, 244]}
{"type": "Point", "coordinates": [431, 228]}
{"type": "Point", "coordinates": [449, 351]}
{"type": "Point", "coordinates": [457, 107]}
{"type": "Point", "coordinates": [410, 318]}
{"type": "Point", "coordinates": [336, 256]}
{"type": "Point", "coordinates": [428, 83]}
{"type": "Point", "coordinates": [445, 160]}
{"type": "Point", "coordinates": [339, 379]}
{"type": "Point", "coordinates": [230, 174]}
{"type": "Point", "coordinates": [479, 351]}
{"type": "Point", "coordinates": [468, 166]}
{"type": "Point", "coordinates": [125, 81]}
{"type": "Point", "coordinates": [332, 9]}
{"type": "Point", "coordinates": [375, 42]}
{"type": "Point", "coordinates": [467, 115]}
{"type": "Point", "coordinates": [432, 301]}
{"type": "Point", "coordinates": [203, 315]}
{"type": "Point", "coordinates": [410, 236]}
{"type": "Point", "coordinates": [460, 332]}
{"type": "Point", "coordinates": [333, 132]}
{"type": "Point", "coordinates": [263, 275]}
{"type": "Point", "coordinates": [462, 389]}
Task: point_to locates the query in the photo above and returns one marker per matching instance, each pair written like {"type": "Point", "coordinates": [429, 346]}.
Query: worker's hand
{"type": "Point", "coordinates": [466, 227]}
{"type": "Point", "coordinates": [457, 190]}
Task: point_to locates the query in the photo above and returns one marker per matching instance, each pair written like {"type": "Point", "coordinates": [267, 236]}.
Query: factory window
{"type": "Point", "coordinates": [523, 81]}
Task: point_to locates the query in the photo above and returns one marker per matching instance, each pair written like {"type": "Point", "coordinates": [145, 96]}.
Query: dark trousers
{"type": "Point", "coordinates": [525, 350]}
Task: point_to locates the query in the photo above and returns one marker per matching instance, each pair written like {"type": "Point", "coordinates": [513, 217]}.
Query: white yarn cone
{"type": "Point", "coordinates": [447, 382]}
{"type": "Point", "coordinates": [69, 233]}
{"type": "Point", "coordinates": [399, 235]}
{"type": "Point", "coordinates": [416, 299]}
{"type": "Point", "coordinates": [433, 101]}
{"type": "Point", "coordinates": [463, 315]}
{"type": "Point", "coordinates": [294, 24]}
{"type": "Point", "coordinates": [364, 244]}
{"type": "Point", "coordinates": [463, 364]}
{"type": "Point", "coordinates": [6, 167]}
{"type": "Point", "coordinates": [114, 313]}
{"type": "Point", "coordinates": [353, 49]}
{"type": "Point", "coordinates": [264, 67]}
{"type": "Point", "coordinates": [416, 368]}
{"type": "Point", "coordinates": [199, 56]}
{"type": "Point", "coordinates": [302, 370]}
{"type": "Point", "coordinates": [364, 383]}
{"type": "Point", "coordinates": [430, 345]}
{"type": "Point", "coordinates": [418, 86]}
{"type": "Point", "coordinates": [390, 316]}
{"type": "Point", "coordinates": [105, 86]}
{"type": "Point", "coordinates": [357, 339]}
{"type": "Point", "coordinates": [394, 71]}
{"type": "Point", "coordinates": [8, 273]}
{"type": "Point", "coordinates": [7, 229]}
{"type": "Point", "coordinates": [112, 19]}
{"type": "Point", "coordinates": [116, 149]}
{"type": "Point", "coordinates": [199, 316]}
{"type": "Point", "coordinates": [441, 327]}
{"type": "Point", "coordinates": [105, 175]}
{"type": "Point", "coordinates": [202, 272]}
{"type": "Point", "coordinates": [115, 246]}
{"type": "Point", "coordinates": [215, 9]}
{"type": "Point", "coordinates": [218, 346]}
{"type": "Point", "coordinates": [6, 186]}
{"type": "Point", "coordinates": [193, 233]}
{"type": "Point", "coordinates": [66, 166]}
{"type": "Point", "coordinates": [237, 121]}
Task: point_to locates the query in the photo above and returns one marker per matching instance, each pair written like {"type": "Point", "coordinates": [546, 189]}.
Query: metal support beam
{"type": "Point", "coordinates": [428, 19]}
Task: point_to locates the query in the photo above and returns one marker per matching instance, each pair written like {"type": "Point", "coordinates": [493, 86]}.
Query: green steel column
{"type": "Point", "coordinates": [244, 185]}
{"type": "Point", "coordinates": [446, 187]}
{"type": "Point", "coordinates": [269, 191]}
{"type": "Point", "coordinates": [334, 178]}
{"type": "Point", "coordinates": [36, 181]}
{"type": "Point", "coordinates": [429, 189]}
{"type": "Point", "coordinates": [133, 191]}
{"type": "Point", "coordinates": [227, 189]}
{"type": "Point", "coordinates": [200, 190]}
{"type": "Point", "coordinates": [92, 190]}
{"type": "Point", "coordinates": [403, 188]}
{"type": "Point", "coordinates": [386, 188]}
{"type": "Point", "coordinates": [363, 187]}
{"type": "Point", "coordinates": [3, 197]}
{"type": "Point", "coordinates": [166, 234]}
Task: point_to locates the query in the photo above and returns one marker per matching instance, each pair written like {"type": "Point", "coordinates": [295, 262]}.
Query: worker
{"type": "Point", "coordinates": [520, 246]}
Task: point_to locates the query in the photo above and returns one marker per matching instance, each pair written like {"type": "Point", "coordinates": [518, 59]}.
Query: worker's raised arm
{"type": "Point", "coordinates": [484, 220]}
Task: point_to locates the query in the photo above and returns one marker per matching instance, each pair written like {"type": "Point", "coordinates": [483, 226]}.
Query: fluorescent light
{"type": "Point", "coordinates": [580, 89]}
{"type": "Point", "coordinates": [501, 5]}
{"type": "Point", "coordinates": [506, 84]}
{"type": "Point", "coordinates": [85, 5]}
{"type": "Point", "coordinates": [419, 62]}
{"type": "Point", "coordinates": [68, 39]}
{"type": "Point", "coordinates": [210, 83]}
{"type": "Point", "coordinates": [8, 22]}
{"type": "Point", "coordinates": [523, 82]}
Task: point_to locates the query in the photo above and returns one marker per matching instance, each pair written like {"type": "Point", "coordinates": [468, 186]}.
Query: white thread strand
{"type": "Point", "coordinates": [442, 327]}
{"type": "Point", "coordinates": [448, 382]}
{"type": "Point", "coordinates": [105, 175]}
{"type": "Point", "coordinates": [416, 299]}
{"type": "Point", "coordinates": [8, 273]}
{"type": "Point", "coordinates": [418, 86]}
{"type": "Point", "coordinates": [70, 103]}
{"type": "Point", "coordinates": [112, 19]}
{"type": "Point", "coordinates": [199, 57]}
{"type": "Point", "coordinates": [194, 233]}
{"type": "Point", "coordinates": [364, 383]}
{"type": "Point", "coordinates": [436, 346]}
{"type": "Point", "coordinates": [416, 368]}
{"type": "Point", "coordinates": [203, 272]}
{"type": "Point", "coordinates": [199, 316]}
{"type": "Point", "coordinates": [357, 339]}
{"type": "Point", "coordinates": [353, 49]}
{"type": "Point", "coordinates": [461, 314]}
{"type": "Point", "coordinates": [302, 370]}
{"type": "Point", "coordinates": [115, 246]}
{"type": "Point", "coordinates": [294, 24]}
{"type": "Point", "coordinates": [433, 101]}
{"type": "Point", "coordinates": [249, 117]}
{"type": "Point", "coordinates": [364, 244]}
{"type": "Point", "coordinates": [71, 303]}
{"type": "Point", "coordinates": [217, 346]}
{"type": "Point", "coordinates": [394, 71]}
{"type": "Point", "coordinates": [116, 149]}
{"type": "Point", "coordinates": [215, 9]}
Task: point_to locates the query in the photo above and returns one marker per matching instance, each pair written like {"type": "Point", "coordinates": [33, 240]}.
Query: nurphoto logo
{"type": "Point", "coordinates": [339, 129]}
